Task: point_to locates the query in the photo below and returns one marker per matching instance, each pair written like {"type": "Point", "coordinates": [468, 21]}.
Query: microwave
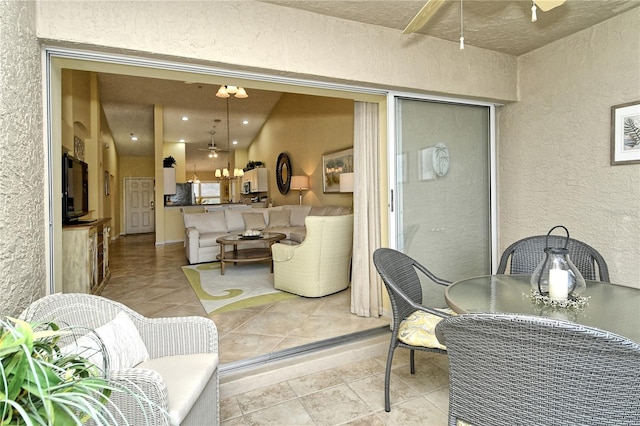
{"type": "Point", "coordinates": [246, 188]}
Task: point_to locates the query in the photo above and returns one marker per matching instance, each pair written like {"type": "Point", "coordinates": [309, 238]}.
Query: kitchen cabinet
{"type": "Point", "coordinates": [258, 178]}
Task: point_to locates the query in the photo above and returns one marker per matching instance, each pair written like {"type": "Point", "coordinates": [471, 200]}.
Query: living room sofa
{"type": "Point", "coordinates": [203, 229]}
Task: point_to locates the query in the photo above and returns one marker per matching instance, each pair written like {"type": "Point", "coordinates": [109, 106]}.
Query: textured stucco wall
{"type": "Point", "coordinates": [263, 37]}
{"type": "Point", "coordinates": [22, 228]}
{"type": "Point", "coordinates": [554, 165]}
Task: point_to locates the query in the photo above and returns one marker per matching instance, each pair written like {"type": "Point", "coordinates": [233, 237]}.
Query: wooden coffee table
{"type": "Point", "coordinates": [250, 253]}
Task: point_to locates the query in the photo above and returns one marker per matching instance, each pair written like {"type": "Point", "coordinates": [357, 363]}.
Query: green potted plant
{"type": "Point", "coordinates": [168, 162]}
{"type": "Point", "coordinates": [43, 384]}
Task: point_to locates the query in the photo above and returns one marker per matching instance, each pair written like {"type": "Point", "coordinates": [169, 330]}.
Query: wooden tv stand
{"type": "Point", "coordinates": [85, 256]}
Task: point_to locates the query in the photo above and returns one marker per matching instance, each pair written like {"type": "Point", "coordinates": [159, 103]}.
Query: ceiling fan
{"type": "Point", "coordinates": [432, 6]}
{"type": "Point", "coordinates": [212, 147]}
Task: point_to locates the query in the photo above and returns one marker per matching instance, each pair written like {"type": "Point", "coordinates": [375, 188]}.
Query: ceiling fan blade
{"type": "Point", "coordinates": [546, 5]}
{"type": "Point", "coordinates": [425, 14]}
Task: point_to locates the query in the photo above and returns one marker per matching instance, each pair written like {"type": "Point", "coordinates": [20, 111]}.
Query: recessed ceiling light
{"type": "Point", "coordinates": [134, 138]}
{"type": "Point", "coordinates": [245, 122]}
{"type": "Point", "coordinates": [235, 142]}
{"type": "Point", "coordinates": [181, 140]}
{"type": "Point", "coordinates": [185, 118]}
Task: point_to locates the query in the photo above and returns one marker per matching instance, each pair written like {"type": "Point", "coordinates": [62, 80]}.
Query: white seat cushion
{"type": "Point", "coordinates": [185, 377]}
{"type": "Point", "coordinates": [418, 329]}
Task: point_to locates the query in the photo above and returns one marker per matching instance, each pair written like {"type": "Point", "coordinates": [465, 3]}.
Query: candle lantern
{"type": "Point", "coordinates": [556, 276]}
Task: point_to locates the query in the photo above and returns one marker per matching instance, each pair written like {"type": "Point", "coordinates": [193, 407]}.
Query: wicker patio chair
{"type": "Point", "coordinates": [413, 323]}
{"type": "Point", "coordinates": [507, 369]}
{"type": "Point", "coordinates": [178, 383]}
{"type": "Point", "coordinates": [525, 254]}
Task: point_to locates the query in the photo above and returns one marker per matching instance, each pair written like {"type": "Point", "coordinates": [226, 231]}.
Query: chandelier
{"type": "Point", "coordinates": [226, 91]}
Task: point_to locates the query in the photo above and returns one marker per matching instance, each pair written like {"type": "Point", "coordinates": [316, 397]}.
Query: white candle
{"type": "Point", "coordinates": [558, 284]}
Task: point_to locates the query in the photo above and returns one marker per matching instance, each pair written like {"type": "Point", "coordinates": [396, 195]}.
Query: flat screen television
{"type": "Point", "coordinates": [75, 189]}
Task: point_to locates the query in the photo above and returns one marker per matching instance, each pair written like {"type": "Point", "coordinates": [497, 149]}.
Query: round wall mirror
{"type": "Point", "coordinates": [283, 173]}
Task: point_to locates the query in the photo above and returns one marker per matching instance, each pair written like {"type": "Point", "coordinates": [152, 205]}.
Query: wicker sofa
{"type": "Point", "coordinates": [203, 229]}
{"type": "Point", "coordinates": [172, 361]}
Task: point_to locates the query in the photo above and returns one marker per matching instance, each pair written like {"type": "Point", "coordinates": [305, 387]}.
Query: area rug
{"type": "Point", "coordinates": [241, 286]}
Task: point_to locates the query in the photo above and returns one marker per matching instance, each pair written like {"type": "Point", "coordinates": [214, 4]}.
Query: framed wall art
{"type": "Point", "coordinates": [625, 133]}
{"type": "Point", "coordinates": [333, 165]}
{"type": "Point", "coordinates": [78, 148]}
{"type": "Point", "coordinates": [107, 189]}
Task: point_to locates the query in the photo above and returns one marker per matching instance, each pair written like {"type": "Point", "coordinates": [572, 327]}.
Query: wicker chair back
{"type": "Point", "coordinates": [525, 254]}
{"type": "Point", "coordinates": [516, 369]}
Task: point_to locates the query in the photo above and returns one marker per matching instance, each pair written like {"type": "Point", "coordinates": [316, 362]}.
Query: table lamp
{"type": "Point", "coordinates": [301, 183]}
{"type": "Point", "coordinates": [346, 182]}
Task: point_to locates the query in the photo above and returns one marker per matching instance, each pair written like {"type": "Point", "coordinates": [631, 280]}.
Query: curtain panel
{"type": "Point", "coordinates": [366, 300]}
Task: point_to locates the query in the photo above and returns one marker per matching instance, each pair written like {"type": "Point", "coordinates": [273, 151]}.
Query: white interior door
{"type": "Point", "coordinates": [442, 208]}
{"type": "Point", "coordinates": [138, 206]}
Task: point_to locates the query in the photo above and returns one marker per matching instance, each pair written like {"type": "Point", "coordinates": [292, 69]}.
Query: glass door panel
{"type": "Point", "coordinates": [442, 197]}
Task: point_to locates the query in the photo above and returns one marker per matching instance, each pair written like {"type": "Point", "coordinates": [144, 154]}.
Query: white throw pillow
{"type": "Point", "coordinates": [298, 214]}
{"type": "Point", "coordinates": [121, 340]}
{"type": "Point", "coordinates": [254, 221]}
{"type": "Point", "coordinates": [279, 218]}
{"type": "Point", "coordinates": [234, 219]}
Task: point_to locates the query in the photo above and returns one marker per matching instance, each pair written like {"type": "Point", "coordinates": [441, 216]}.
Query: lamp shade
{"type": "Point", "coordinates": [299, 182]}
{"type": "Point", "coordinates": [222, 92]}
{"type": "Point", "coordinates": [218, 173]}
{"type": "Point", "coordinates": [242, 94]}
{"type": "Point", "coordinates": [346, 182]}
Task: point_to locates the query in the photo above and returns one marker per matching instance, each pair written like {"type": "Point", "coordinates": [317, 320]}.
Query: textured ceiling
{"type": "Point", "coordinates": [500, 25]}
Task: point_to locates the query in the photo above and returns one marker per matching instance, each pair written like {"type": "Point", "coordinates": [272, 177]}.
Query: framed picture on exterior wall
{"type": "Point", "coordinates": [333, 165]}
{"type": "Point", "coordinates": [625, 133]}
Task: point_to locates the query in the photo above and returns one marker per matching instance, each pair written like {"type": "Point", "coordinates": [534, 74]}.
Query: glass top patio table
{"type": "Point", "coordinates": [609, 307]}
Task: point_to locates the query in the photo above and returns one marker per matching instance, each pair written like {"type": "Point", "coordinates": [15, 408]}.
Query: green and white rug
{"type": "Point", "coordinates": [241, 286]}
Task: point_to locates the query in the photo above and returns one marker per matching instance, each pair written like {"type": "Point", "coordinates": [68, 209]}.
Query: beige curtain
{"type": "Point", "coordinates": [366, 300]}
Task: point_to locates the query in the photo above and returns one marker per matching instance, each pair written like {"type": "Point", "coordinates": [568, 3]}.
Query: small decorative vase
{"type": "Point", "coordinates": [556, 276]}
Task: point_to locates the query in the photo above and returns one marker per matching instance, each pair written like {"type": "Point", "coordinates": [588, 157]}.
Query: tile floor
{"type": "Point", "coordinates": [350, 393]}
{"type": "Point", "coordinates": [327, 390]}
{"type": "Point", "coordinates": [148, 279]}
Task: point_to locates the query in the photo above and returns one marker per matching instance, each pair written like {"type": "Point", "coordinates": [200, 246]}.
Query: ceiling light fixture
{"type": "Point", "coordinates": [195, 179]}
{"type": "Point", "coordinates": [534, 16]}
{"type": "Point", "coordinates": [224, 173]}
{"type": "Point", "coordinates": [134, 138]}
{"type": "Point", "coordinates": [181, 140]}
{"type": "Point", "coordinates": [245, 121]}
{"type": "Point", "coordinates": [461, 27]}
{"type": "Point", "coordinates": [185, 118]}
{"type": "Point", "coordinates": [226, 91]}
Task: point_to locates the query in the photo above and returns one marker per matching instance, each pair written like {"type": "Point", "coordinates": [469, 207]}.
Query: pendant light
{"type": "Point", "coordinates": [461, 26]}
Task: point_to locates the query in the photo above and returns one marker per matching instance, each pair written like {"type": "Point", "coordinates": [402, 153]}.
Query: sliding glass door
{"type": "Point", "coordinates": [442, 213]}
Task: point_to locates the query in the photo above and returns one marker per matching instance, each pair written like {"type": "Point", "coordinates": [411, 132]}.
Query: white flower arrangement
{"type": "Point", "coordinates": [573, 302]}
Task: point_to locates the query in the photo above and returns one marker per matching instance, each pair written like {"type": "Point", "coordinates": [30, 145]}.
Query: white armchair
{"type": "Point", "coordinates": [320, 265]}
{"type": "Point", "coordinates": [180, 376]}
